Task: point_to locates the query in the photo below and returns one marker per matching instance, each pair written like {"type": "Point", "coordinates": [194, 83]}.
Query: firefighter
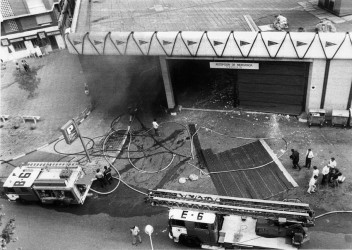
{"type": "Point", "coordinates": [280, 22]}
{"type": "Point", "coordinates": [107, 174]}
{"type": "Point", "coordinates": [100, 177]}
{"type": "Point", "coordinates": [135, 235]}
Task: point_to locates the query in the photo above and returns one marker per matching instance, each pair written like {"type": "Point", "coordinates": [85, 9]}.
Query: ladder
{"type": "Point", "coordinates": [51, 165]}
{"type": "Point", "coordinates": [293, 212]}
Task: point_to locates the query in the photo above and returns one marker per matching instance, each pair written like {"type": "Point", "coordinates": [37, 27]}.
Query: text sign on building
{"type": "Point", "coordinates": [30, 37]}
{"type": "Point", "coordinates": [70, 131]}
{"type": "Point", "coordinates": [52, 33]}
{"type": "Point", "coordinates": [42, 35]}
{"type": "Point", "coordinates": [234, 65]}
{"type": "Point", "coordinates": [16, 40]}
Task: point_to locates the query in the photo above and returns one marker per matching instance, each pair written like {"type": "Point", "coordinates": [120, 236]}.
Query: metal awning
{"type": "Point", "coordinates": [229, 44]}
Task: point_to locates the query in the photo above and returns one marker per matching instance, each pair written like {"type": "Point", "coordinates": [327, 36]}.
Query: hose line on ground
{"type": "Point", "coordinates": [332, 212]}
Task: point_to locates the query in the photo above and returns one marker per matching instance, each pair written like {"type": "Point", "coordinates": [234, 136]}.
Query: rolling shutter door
{"type": "Point", "coordinates": [276, 87]}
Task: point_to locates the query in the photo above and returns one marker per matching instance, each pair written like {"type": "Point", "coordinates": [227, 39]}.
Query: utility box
{"type": "Point", "coordinates": [340, 117]}
{"type": "Point", "coordinates": [316, 117]}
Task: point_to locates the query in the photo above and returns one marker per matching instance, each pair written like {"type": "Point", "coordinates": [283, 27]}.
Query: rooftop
{"type": "Point", "coordinates": [198, 15]}
{"type": "Point", "coordinates": [11, 9]}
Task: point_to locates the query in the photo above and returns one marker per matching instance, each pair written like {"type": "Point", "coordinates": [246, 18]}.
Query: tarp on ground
{"type": "Point", "coordinates": [260, 183]}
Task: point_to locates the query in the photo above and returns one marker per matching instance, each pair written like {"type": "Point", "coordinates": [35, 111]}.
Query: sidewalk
{"type": "Point", "coordinates": [59, 97]}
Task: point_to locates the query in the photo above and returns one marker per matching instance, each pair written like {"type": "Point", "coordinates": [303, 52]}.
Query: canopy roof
{"type": "Point", "coordinates": [297, 45]}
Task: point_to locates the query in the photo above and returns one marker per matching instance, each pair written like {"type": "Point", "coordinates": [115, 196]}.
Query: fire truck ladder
{"type": "Point", "coordinates": [52, 165]}
{"type": "Point", "coordinates": [293, 212]}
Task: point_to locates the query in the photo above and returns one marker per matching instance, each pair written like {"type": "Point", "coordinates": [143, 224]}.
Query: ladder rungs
{"type": "Point", "coordinates": [201, 196]}
{"type": "Point", "coordinates": [198, 203]}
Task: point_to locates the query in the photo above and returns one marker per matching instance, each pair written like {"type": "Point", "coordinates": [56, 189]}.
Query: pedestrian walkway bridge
{"type": "Point", "coordinates": [230, 44]}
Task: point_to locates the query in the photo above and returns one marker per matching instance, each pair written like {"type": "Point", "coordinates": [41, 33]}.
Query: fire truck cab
{"type": "Point", "coordinates": [209, 229]}
{"type": "Point", "coordinates": [193, 226]}
{"type": "Point", "coordinates": [48, 182]}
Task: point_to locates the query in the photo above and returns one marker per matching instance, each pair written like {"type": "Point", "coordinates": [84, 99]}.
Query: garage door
{"type": "Point", "coordinates": [278, 87]}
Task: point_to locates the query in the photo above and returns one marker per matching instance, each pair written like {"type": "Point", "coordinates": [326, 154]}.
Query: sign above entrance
{"type": "Point", "coordinates": [42, 35]}
{"type": "Point", "coordinates": [234, 65]}
{"type": "Point", "coordinates": [53, 33]}
{"type": "Point", "coordinates": [30, 37]}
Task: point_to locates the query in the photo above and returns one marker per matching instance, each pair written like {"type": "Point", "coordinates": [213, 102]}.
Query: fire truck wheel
{"type": "Point", "coordinates": [189, 241]}
{"type": "Point", "coordinates": [57, 203]}
{"type": "Point", "coordinates": [22, 201]}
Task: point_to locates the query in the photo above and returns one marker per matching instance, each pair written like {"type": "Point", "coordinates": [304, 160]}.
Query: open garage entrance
{"type": "Point", "coordinates": [275, 86]}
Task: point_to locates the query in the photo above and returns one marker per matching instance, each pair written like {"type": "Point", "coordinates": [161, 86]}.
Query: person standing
{"type": "Point", "coordinates": [325, 172]}
{"type": "Point", "coordinates": [135, 235]}
{"type": "Point", "coordinates": [107, 174]}
{"type": "Point", "coordinates": [18, 67]}
{"type": "Point", "coordinates": [25, 65]}
{"type": "Point", "coordinates": [332, 163]}
{"type": "Point", "coordinates": [100, 177]}
{"type": "Point", "coordinates": [312, 185]}
{"type": "Point", "coordinates": [309, 157]}
{"type": "Point", "coordinates": [315, 171]}
{"type": "Point", "coordinates": [295, 159]}
{"type": "Point", "coordinates": [156, 127]}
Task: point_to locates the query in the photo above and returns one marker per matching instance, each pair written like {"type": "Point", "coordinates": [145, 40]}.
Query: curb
{"type": "Point", "coordinates": [86, 113]}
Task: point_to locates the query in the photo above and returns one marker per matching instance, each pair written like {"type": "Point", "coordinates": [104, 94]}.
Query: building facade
{"type": "Point", "coordinates": [33, 27]}
{"type": "Point", "coordinates": [338, 7]}
{"type": "Point", "coordinates": [270, 71]}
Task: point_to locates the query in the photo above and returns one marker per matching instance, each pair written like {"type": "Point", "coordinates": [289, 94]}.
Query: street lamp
{"type": "Point", "coordinates": [149, 230]}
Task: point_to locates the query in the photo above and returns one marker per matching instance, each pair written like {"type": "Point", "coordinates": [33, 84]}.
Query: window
{"type": "Point", "coordinates": [10, 26]}
{"type": "Point", "coordinates": [24, 190]}
{"type": "Point", "coordinates": [180, 223]}
{"type": "Point", "coordinates": [201, 225]}
{"type": "Point", "coordinates": [9, 190]}
{"type": "Point", "coordinates": [44, 19]}
{"type": "Point", "coordinates": [19, 46]}
{"type": "Point", "coordinates": [29, 22]}
{"type": "Point", "coordinates": [35, 42]}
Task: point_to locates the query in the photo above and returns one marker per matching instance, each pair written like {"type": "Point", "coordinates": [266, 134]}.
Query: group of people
{"type": "Point", "coordinates": [25, 66]}
{"type": "Point", "coordinates": [104, 177]}
{"type": "Point", "coordinates": [330, 174]}
{"type": "Point", "coordinates": [280, 22]}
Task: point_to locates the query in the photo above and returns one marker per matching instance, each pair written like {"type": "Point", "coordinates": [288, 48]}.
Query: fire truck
{"type": "Point", "coordinates": [219, 222]}
{"type": "Point", "coordinates": [49, 183]}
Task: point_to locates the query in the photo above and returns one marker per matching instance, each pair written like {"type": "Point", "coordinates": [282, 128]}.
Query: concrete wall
{"type": "Point", "coordinates": [339, 84]}
{"type": "Point", "coordinates": [346, 7]}
{"type": "Point", "coordinates": [315, 84]}
{"type": "Point", "coordinates": [15, 55]}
